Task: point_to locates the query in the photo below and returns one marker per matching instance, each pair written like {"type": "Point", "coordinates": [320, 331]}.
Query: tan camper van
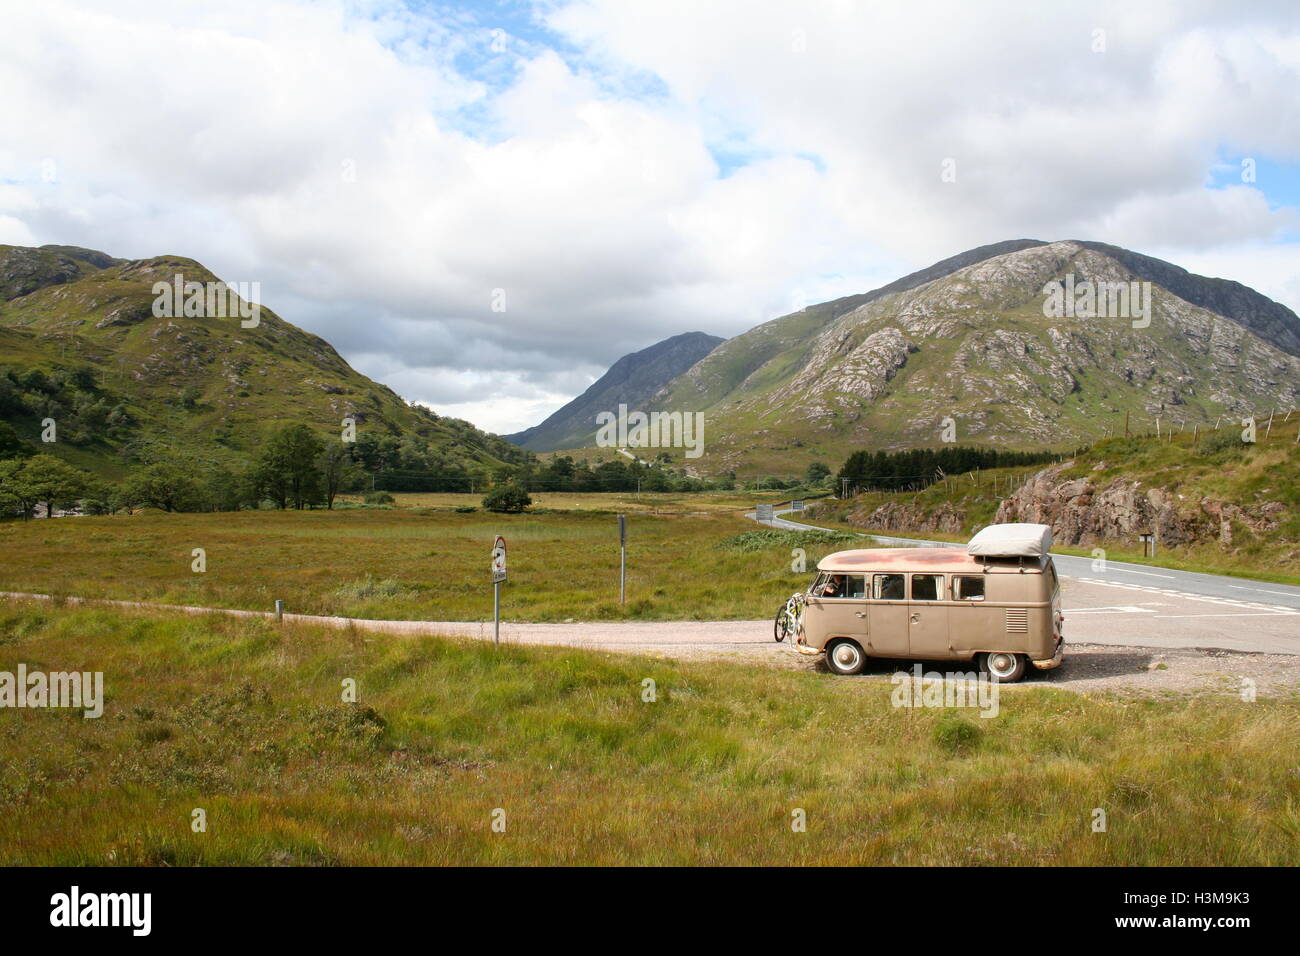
{"type": "Point", "coordinates": [996, 600]}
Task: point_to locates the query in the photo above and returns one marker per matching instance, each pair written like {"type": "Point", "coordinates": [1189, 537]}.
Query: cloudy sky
{"type": "Point", "coordinates": [614, 172]}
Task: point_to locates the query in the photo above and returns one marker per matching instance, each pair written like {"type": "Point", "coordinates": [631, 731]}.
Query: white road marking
{"type": "Point", "coordinates": [1261, 590]}
{"type": "Point", "coordinates": [1253, 614]}
{"type": "Point", "coordinates": [1185, 596]}
{"type": "Point", "coordinates": [1146, 573]}
{"type": "Point", "coordinates": [1117, 609]}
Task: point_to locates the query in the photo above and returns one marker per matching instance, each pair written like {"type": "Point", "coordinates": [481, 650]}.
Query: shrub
{"type": "Point", "coordinates": [380, 498]}
{"type": "Point", "coordinates": [956, 735]}
{"type": "Point", "coordinates": [369, 588]}
{"type": "Point", "coordinates": [748, 542]}
{"type": "Point", "coordinates": [1216, 442]}
{"type": "Point", "coordinates": [509, 499]}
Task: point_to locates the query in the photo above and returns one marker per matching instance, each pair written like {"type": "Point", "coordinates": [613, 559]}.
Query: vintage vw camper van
{"type": "Point", "coordinates": [997, 601]}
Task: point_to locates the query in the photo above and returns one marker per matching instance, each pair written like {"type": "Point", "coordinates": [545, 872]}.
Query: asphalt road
{"type": "Point", "coordinates": [1122, 604]}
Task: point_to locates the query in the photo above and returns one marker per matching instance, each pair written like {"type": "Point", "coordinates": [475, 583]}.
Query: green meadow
{"type": "Point", "coordinates": [420, 563]}
{"type": "Point", "coordinates": [244, 720]}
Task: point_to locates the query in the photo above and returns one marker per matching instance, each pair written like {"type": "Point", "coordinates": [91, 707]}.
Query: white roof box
{"type": "Point", "coordinates": [1011, 541]}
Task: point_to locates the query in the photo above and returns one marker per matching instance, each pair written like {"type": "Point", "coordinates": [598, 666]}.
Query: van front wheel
{"type": "Point", "coordinates": [844, 657]}
{"type": "Point", "coordinates": [1003, 667]}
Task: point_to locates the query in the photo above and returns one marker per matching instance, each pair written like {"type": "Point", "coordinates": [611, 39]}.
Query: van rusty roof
{"type": "Point", "coordinates": [952, 560]}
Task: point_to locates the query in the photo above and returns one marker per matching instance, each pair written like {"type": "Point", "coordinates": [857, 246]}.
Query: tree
{"type": "Point", "coordinates": [14, 490]}
{"type": "Point", "coordinates": [165, 485]}
{"type": "Point", "coordinates": [83, 377]}
{"type": "Point", "coordinates": [286, 471]}
{"type": "Point", "coordinates": [338, 471]}
{"type": "Point", "coordinates": [223, 490]}
{"type": "Point", "coordinates": [53, 481]}
{"type": "Point", "coordinates": [507, 499]}
{"type": "Point", "coordinates": [816, 472]}
{"type": "Point", "coordinates": [11, 445]}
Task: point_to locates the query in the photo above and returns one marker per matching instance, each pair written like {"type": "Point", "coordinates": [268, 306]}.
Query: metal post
{"type": "Point", "coordinates": [496, 613]}
{"type": "Point", "coordinates": [622, 559]}
{"type": "Point", "coordinates": [279, 610]}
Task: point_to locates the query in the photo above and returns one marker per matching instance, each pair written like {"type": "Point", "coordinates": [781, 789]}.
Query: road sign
{"type": "Point", "coordinates": [796, 505]}
{"type": "Point", "coordinates": [498, 560]}
{"type": "Point", "coordinates": [763, 512]}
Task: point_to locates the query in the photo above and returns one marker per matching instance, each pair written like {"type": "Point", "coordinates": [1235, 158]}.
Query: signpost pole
{"type": "Point", "coordinates": [622, 559]}
{"type": "Point", "coordinates": [498, 575]}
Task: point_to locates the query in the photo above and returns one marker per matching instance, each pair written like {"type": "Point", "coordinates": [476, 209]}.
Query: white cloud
{"type": "Point", "coordinates": [322, 149]}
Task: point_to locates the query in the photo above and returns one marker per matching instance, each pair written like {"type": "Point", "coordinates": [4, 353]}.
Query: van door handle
{"type": "Point", "coordinates": [915, 618]}
{"type": "Point", "coordinates": [859, 613]}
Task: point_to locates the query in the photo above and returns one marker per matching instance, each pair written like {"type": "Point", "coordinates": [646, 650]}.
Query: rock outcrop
{"type": "Point", "coordinates": [1082, 511]}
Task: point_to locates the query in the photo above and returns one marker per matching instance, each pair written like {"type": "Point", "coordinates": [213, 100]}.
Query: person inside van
{"type": "Point", "coordinates": [834, 587]}
{"type": "Point", "coordinates": [889, 587]}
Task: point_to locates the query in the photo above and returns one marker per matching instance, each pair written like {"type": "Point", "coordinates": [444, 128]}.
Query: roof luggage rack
{"type": "Point", "coordinates": [1011, 541]}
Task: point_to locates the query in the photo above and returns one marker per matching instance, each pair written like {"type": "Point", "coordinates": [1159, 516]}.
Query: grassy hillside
{"type": "Point", "coordinates": [1256, 481]}
{"type": "Point", "coordinates": [200, 385]}
{"type": "Point", "coordinates": [244, 720]}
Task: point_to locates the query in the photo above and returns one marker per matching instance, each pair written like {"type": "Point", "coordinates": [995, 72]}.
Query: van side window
{"type": "Point", "coordinates": [927, 587]}
{"type": "Point", "coordinates": [888, 587]}
{"type": "Point", "coordinates": [837, 585]}
{"type": "Point", "coordinates": [968, 587]}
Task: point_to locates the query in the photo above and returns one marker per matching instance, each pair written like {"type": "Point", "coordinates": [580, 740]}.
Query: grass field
{"type": "Point", "coordinates": [414, 563]}
{"type": "Point", "coordinates": [650, 502]}
{"type": "Point", "coordinates": [243, 719]}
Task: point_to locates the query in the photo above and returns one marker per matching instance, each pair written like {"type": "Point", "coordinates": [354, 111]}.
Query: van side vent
{"type": "Point", "coordinates": [1017, 620]}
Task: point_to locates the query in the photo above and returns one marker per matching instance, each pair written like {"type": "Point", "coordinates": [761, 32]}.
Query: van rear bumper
{"type": "Point", "coordinates": [803, 648]}
{"type": "Point", "coordinates": [1055, 659]}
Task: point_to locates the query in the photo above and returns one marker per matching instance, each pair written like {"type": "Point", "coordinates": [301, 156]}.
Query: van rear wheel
{"type": "Point", "coordinates": [1003, 666]}
{"type": "Point", "coordinates": [845, 657]}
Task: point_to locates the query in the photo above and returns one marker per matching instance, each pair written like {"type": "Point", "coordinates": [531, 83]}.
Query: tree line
{"type": "Point", "coordinates": [917, 468]}
{"type": "Point", "coordinates": [294, 468]}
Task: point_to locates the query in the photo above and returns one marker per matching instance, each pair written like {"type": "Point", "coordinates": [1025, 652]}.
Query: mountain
{"type": "Point", "coordinates": [79, 343]}
{"type": "Point", "coordinates": [967, 339]}
{"type": "Point", "coordinates": [633, 380]}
